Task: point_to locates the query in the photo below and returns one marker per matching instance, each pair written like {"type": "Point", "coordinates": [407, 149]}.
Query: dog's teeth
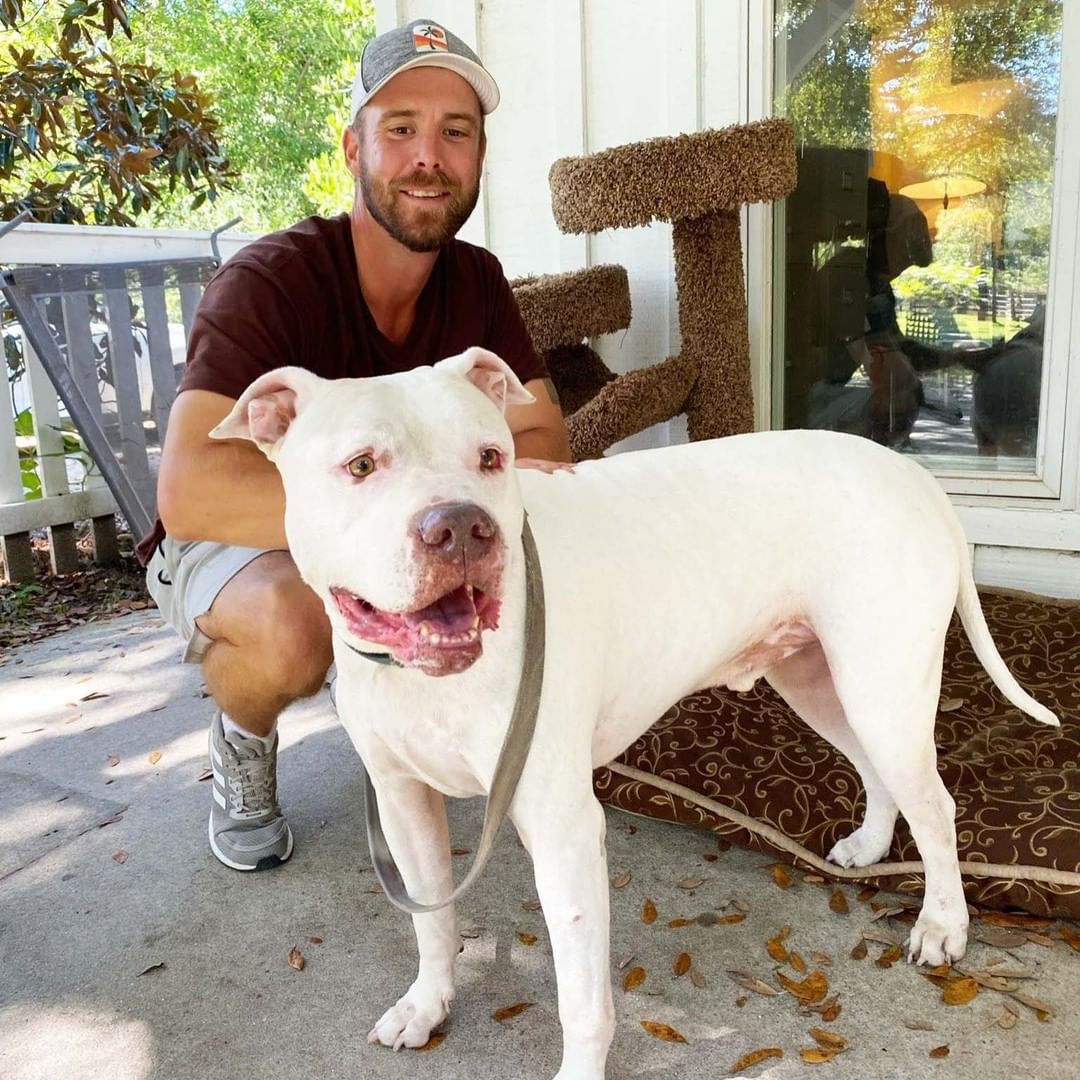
{"type": "Point", "coordinates": [435, 638]}
{"type": "Point", "coordinates": [425, 629]}
{"type": "Point", "coordinates": [475, 625]}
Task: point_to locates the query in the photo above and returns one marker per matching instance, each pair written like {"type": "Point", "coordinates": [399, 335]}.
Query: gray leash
{"type": "Point", "coordinates": [515, 750]}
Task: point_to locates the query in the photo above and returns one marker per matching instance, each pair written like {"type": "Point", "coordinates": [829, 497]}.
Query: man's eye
{"type": "Point", "coordinates": [361, 466]}
{"type": "Point", "coordinates": [490, 458]}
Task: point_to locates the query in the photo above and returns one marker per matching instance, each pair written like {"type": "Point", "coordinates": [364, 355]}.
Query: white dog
{"type": "Point", "coordinates": [821, 562]}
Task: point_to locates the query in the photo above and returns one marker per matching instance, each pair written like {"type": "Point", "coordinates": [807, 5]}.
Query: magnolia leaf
{"type": "Point", "coordinates": [959, 991]}
{"type": "Point", "coordinates": [755, 1056]}
{"type": "Point", "coordinates": [798, 963]}
{"type": "Point", "coordinates": [838, 902]}
{"type": "Point", "coordinates": [812, 989]}
{"type": "Point", "coordinates": [508, 1012]}
{"type": "Point", "coordinates": [648, 912]}
{"type": "Point", "coordinates": [781, 876]}
{"type": "Point", "coordinates": [817, 1056]}
{"type": "Point", "coordinates": [828, 1040]}
{"type": "Point", "coordinates": [775, 946]}
{"type": "Point", "coordinates": [681, 965]}
{"type": "Point", "coordinates": [662, 1031]}
{"type": "Point", "coordinates": [633, 979]}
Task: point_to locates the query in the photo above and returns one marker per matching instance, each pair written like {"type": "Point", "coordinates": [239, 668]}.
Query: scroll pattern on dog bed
{"type": "Point", "coordinates": [1016, 782]}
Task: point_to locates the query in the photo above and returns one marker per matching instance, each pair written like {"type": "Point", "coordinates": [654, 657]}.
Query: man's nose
{"type": "Point", "coordinates": [427, 153]}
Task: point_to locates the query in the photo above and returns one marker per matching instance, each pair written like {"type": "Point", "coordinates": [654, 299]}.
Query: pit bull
{"type": "Point", "coordinates": [821, 562]}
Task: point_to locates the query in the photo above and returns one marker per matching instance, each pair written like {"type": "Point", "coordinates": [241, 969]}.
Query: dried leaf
{"type": "Point", "coordinates": [436, 1040]}
{"type": "Point", "coordinates": [816, 1056]}
{"type": "Point", "coordinates": [625, 960]}
{"type": "Point", "coordinates": [813, 879]}
{"type": "Point", "coordinates": [950, 704]}
{"type": "Point", "coordinates": [205, 774]}
{"type": "Point", "coordinates": [153, 967]}
{"type": "Point", "coordinates": [830, 1010]}
{"type": "Point", "coordinates": [991, 982]}
{"type": "Point", "coordinates": [740, 905]}
{"type": "Point", "coordinates": [940, 1052]}
{"type": "Point", "coordinates": [1007, 1019]}
{"type": "Point", "coordinates": [811, 989]}
{"type": "Point", "coordinates": [120, 856]}
{"type": "Point", "coordinates": [681, 965]}
{"type": "Point", "coordinates": [710, 856]}
{"type": "Point", "coordinates": [458, 851]}
{"type": "Point", "coordinates": [1040, 1008]}
{"type": "Point", "coordinates": [889, 956]}
{"type": "Point", "coordinates": [691, 883]}
{"type": "Point", "coordinates": [296, 959]}
{"type": "Point", "coordinates": [1071, 938]}
{"type": "Point", "coordinates": [886, 913]}
{"type": "Point", "coordinates": [859, 952]}
{"type": "Point", "coordinates": [633, 979]}
{"type": "Point", "coordinates": [918, 1025]}
{"type": "Point", "coordinates": [741, 1001]}
{"type": "Point", "coordinates": [867, 894]}
{"type": "Point", "coordinates": [781, 876]}
{"type": "Point", "coordinates": [959, 991]}
{"type": "Point", "coordinates": [798, 963]}
{"type": "Point", "coordinates": [729, 920]}
{"type": "Point", "coordinates": [755, 1056]}
{"type": "Point", "coordinates": [1001, 938]}
{"type": "Point", "coordinates": [828, 1040]}
{"type": "Point", "coordinates": [648, 912]}
{"type": "Point", "coordinates": [508, 1012]}
{"type": "Point", "coordinates": [620, 881]}
{"type": "Point", "coordinates": [111, 820]}
{"type": "Point", "coordinates": [1038, 939]}
{"type": "Point", "coordinates": [1007, 918]}
{"type": "Point", "coordinates": [749, 982]}
{"type": "Point", "coordinates": [838, 902]}
{"type": "Point", "coordinates": [526, 939]}
{"type": "Point", "coordinates": [678, 924]}
{"type": "Point", "coordinates": [315, 940]}
{"type": "Point", "coordinates": [821, 958]}
{"type": "Point", "coordinates": [154, 758]}
{"type": "Point", "coordinates": [662, 1031]}
{"type": "Point", "coordinates": [881, 936]}
{"type": "Point", "coordinates": [112, 761]}
{"type": "Point", "coordinates": [697, 978]}
{"type": "Point", "coordinates": [94, 696]}
{"type": "Point", "coordinates": [775, 946]}
{"type": "Point", "coordinates": [530, 905]}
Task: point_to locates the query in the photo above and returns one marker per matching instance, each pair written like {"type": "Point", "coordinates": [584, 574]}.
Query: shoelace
{"type": "Point", "coordinates": [252, 787]}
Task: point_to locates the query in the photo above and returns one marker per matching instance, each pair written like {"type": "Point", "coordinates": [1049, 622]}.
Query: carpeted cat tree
{"type": "Point", "coordinates": [743, 765]}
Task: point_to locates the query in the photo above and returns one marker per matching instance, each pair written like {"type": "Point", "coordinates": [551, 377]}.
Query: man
{"type": "Point", "coordinates": [383, 288]}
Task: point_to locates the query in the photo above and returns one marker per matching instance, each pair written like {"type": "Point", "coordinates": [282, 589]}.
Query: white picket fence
{"type": "Point", "coordinates": [68, 494]}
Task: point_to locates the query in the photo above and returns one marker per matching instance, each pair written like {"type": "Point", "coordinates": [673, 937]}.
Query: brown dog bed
{"type": "Point", "coordinates": [1016, 782]}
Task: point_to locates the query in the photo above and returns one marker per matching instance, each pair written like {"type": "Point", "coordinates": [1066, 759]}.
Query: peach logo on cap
{"type": "Point", "coordinates": [430, 38]}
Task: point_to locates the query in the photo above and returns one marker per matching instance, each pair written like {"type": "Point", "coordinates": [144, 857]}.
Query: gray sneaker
{"type": "Point", "coordinates": [247, 828]}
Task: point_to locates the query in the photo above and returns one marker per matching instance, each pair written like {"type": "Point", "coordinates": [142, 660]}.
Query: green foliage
{"type": "Point", "coordinates": [89, 136]}
{"type": "Point", "coordinates": [948, 285]}
{"type": "Point", "coordinates": [280, 73]}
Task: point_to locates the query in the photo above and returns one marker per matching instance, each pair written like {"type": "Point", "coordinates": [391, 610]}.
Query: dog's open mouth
{"type": "Point", "coordinates": [443, 637]}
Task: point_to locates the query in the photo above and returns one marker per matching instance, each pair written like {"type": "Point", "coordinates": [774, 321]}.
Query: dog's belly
{"type": "Point", "coordinates": [782, 640]}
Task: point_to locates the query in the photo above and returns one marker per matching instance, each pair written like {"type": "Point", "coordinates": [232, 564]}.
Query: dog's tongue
{"type": "Point", "coordinates": [450, 614]}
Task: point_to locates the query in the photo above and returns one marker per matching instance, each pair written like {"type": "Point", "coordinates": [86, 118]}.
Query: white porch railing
{"type": "Point", "coordinates": [67, 497]}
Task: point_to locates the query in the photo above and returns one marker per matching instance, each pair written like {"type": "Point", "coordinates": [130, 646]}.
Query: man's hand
{"type": "Point", "coordinates": [543, 465]}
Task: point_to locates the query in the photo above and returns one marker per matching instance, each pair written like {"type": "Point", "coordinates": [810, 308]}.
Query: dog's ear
{"type": "Point", "coordinates": [491, 375]}
{"type": "Point", "coordinates": [268, 406]}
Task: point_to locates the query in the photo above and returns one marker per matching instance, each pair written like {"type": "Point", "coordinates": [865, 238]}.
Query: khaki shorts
{"type": "Point", "coordinates": [185, 576]}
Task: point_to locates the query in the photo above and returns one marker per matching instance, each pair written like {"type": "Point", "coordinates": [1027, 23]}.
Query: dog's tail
{"type": "Point", "coordinates": [971, 615]}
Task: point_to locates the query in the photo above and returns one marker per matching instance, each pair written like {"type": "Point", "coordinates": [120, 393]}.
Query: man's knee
{"type": "Point", "coordinates": [296, 636]}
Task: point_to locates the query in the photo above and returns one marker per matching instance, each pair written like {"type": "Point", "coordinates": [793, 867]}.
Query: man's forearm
{"type": "Point", "coordinates": [547, 444]}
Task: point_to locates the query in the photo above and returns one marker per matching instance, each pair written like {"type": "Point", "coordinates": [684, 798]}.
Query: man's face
{"type": "Point", "coordinates": [417, 149]}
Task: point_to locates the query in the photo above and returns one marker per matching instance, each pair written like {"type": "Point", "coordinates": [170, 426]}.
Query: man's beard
{"type": "Point", "coordinates": [429, 230]}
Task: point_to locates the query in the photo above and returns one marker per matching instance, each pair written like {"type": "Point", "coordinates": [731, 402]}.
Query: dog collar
{"type": "Point", "coordinates": [375, 657]}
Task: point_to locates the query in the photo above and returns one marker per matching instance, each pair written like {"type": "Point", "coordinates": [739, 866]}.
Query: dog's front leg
{"type": "Point", "coordinates": [414, 820]}
{"type": "Point", "coordinates": [564, 833]}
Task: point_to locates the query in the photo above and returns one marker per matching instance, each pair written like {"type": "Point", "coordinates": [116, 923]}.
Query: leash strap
{"type": "Point", "coordinates": [515, 750]}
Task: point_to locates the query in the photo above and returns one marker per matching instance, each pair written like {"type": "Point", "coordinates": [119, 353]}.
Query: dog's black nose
{"type": "Point", "coordinates": [454, 530]}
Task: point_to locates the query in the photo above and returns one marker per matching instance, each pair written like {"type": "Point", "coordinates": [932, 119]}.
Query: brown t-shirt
{"type": "Point", "coordinates": [293, 298]}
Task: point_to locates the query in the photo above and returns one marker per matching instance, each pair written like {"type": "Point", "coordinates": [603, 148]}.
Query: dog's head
{"type": "Point", "coordinates": [400, 496]}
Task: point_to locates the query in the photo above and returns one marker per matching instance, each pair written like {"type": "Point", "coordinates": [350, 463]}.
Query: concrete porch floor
{"type": "Point", "coordinates": [81, 931]}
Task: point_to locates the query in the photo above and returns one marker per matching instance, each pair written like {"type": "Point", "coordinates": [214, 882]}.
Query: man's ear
{"type": "Point", "coordinates": [268, 407]}
{"type": "Point", "coordinates": [491, 375]}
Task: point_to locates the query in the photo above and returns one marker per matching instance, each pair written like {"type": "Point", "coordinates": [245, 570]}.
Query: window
{"type": "Point", "coordinates": [913, 257]}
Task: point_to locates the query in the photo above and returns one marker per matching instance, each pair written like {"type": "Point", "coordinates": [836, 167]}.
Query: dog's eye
{"type": "Point", "coordinates": [490, 458]}
{"type": "Point", "coordinates": [361, 466]}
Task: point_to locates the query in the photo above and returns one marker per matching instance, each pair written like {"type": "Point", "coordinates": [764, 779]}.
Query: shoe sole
{"type": "Point", "coordinates": [268, 862]}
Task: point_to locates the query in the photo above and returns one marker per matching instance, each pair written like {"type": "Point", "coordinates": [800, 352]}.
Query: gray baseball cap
{"type": "Point", "coordinates": [421, 43]}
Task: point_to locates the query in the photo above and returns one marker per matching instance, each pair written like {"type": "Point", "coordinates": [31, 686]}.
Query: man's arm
{"type": "Point", "coordinates": [214, 489]}
{"type": "Point", "coordinates": [539, 429]}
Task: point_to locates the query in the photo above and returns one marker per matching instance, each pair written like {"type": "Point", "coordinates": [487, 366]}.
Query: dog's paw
{"type": "Point", "coordinates": [411, 1021]}
{"type": "Point", "coordinates": [937, 941]}
{"type": "Point", "coordinates": [862, 848]}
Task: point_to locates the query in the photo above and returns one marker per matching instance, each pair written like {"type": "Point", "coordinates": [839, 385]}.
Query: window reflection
{"type": "Point", "coordinates": [915, 249]}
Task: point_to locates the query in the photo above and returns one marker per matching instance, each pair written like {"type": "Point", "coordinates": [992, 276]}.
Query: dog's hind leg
{"type": "Point", "coordinates": [805, 683]}
{"type": "Point", "coordinates": [414, 820]}
{"type": "Point", "coordinates": [563, 828]}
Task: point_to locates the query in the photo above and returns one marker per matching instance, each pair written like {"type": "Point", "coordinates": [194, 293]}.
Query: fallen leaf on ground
{"type": "Point", "coordinates": [112, 820]}
{"type": "Point", "coordinates": [436, 1040]}
{"type": "Point", "coordinates": [881, 935]}
{"type": "Point", "coordinates": [1006, 1019]}
{"type": "Point", "coordinates": [1039, 939]}
{"type": "Point", "coordinates": [458, 851]}
{"type": "Point", "coordinates": [1040, 1008]}
{"type": "Point", "coordinates": [828, 1039]}
{"type": "Point", "coordinates": [859, 952]}
{"type": "Point", "coordinates": [1008, 918]}
{"type": "Point", "coordinates": [531, 905]}
{"type": "Point", "coordinates": [813, 879]}
{"type": "Point", "coordinates": [625, 960]}
{"type": "Point", "coordinates": [296, 959]}
{"type": "Point", "coordinates": [633, 979]}
{"type": "Point", "coordinates": [939, 1052]}
{"type": "Point", "coordinates": [781, 876]}
{"type": "Point", "coordinates": [838, 902]}
{"type": "Point", "coordinates": [821, 958]}
{"type": "Point", "coordinates": [120, 856]}
{"type": "Point", "coordinates": [710, 856]}
{"type": "Point", "coordinates": [682, 965]}
{"type": "Point", "coordinates": [1070, 937]}
{"type": "Point", "coordinates": [112, 761]}
{"type": "Point", "coordinates": [991, 982]}
{"type": "Point", "coordinates": [812, 989]}
{"type": "Point", "coordinates": [817, 1056]}
{"type": "Point", "coordinates": [741, 1001]}
{"type": "Point", "coordinates": [508, 1012]}
{"type": "Point", "coordinates": [154, 758]}
{"type": "Point", "coordinates": [662, 1031]}
{"type": "Point", "coordinates": [889, 956]}
{"type": "Point", "coordinates": [950, 704]}
{"type": "Point", "coordinates": [959, 991]}
{"type": "Point", "coordinates": [798, 963]}
{"type": "Point", "coordinates": [867, 894]}
{"type": "Point", "coordinates": [691, 883]}
{"type": "Point", "coordinates": [526, 939]}
{"type": "Point", "coordinates": [315, 940]}
{"type": "Point", "coordinates": [918, 1025]}
{"type": "Point", "coordinates": [678, 924]}
{"type": "Point", "coordinates": [755, 1056]}
{"type": "Point", "coordinates": [153, 967]}
{"type": "Point", "coordinates": [1001, 938]}
{"type": "Point", "coordinates": [94, 696]}
{"type": "Point", "coordinates": [775, 946]}
{"type": "Point", "coordinates": [749, 982]}
{"type": "Point", "coordinates": [205, 774]}
{"type": "Point", "coordinates": [620, 881]}
{"type": "Point", "coordinates": [729, 920]}
{"type": "Point", "coordinates": [697, 978]}
{"type": "Point", "coordinates": [648, 912]}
